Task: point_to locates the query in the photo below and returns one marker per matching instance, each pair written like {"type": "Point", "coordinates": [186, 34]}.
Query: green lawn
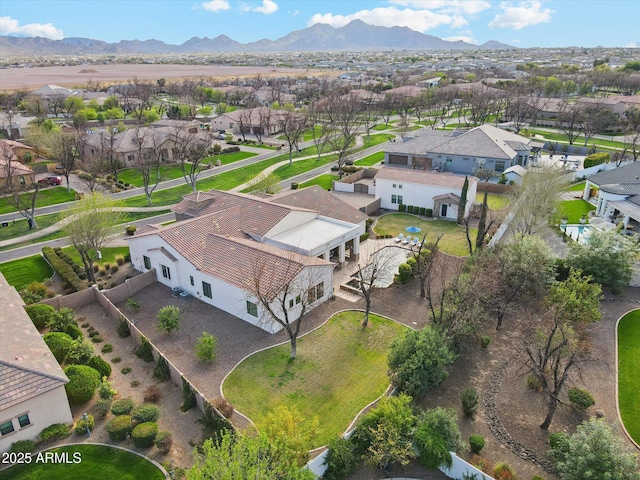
{"type": "Point", "coordinates": [22, 227]}
{"type": "Point", "coordinates": [370, 160]}
{"type": "Point", "coordinates": [382, 126]}
{"type": "Point", "coordinates": [134, 177]}
{"type": "Point", "coordinates": [339, 369]}
{"type": "Point", "coordinates": [573, 210]}
{"type": "Point", "coordinates": [108, 254]}
{"type": "Point", "coordinates": [97, 462]}
{"type": "Point", "coordinates": [628, 368]}
{"type": "Point", "coordinates": [576, 187]}
{"type": "Point", "coordinates": [453, 242]}
{"type": "Point", "coordinates": [578, 142]}
{"type": "Point", "coordinates": [23, 271]}
{"type": "Point", "coordinates": [376, 140]}
{"type": "Point", "coordinates": [325, 181]}
{"type": "Point", "coordinates": [495, 201]}
{"type": "Point", "coordinates": [46, 196]}
{"type": "Point", "coordinates": [227, 158]}
{"type": "Point", "coordinates": [296, 168]}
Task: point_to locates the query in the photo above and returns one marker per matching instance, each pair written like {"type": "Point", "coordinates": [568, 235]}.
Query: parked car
{"type": "Point", "coordinates": [220, 137]}
{"type": "Point", "coordinates": [58, 169]}
{"type": "Point", "coordinates": [51, 180]}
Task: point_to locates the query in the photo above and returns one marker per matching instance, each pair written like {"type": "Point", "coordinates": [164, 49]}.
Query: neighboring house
{"type": "Point", "coordinates": [430, 82]}
{"type": "Point", "coordinates": [463, 151]}
{"type": "Point", "coordinates": [221, 237]}
{"type": "Point", "coordinates": [267, 95]}
{"type": "Point", "coordinates": [16, 151]}
{"type": "Point", "coordinates": [261, 120]}
{"type": "Point", "coordinates": [18, 173]}
{"type": "Point", "coordinates": [515, 174]}
{"type": "Point", "coordinates": [618, 193]}
{"type": "Point", "coordinates": [419, 188]}
{"type": "Point", "coordinates": [14, 125]}
{"type": "Point", "coordinates": [32, 394]}
{"type": "Point", "coordinates": [618, 104]}
{"type": "Point", "coordinates": [53, 92]}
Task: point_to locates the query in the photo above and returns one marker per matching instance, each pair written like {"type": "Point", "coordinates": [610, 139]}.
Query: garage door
{"type": "Point", "coordinates": [398, 160]}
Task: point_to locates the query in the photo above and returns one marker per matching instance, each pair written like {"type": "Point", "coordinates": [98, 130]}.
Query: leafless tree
{"type": "Point", "coordinates": [191, 149]}
{"type": "Point", "coordinates": [147, 159]}
{"type": "Point", "coordinates": [264, 123]}
{"type": "Point", "coordinates": [65, 151]}
{"type": "Point", "coordinates": [293, 123]}
{"type": "Point", "coordinates": [244, 122]}
{"type": "Point", "coordinates": [16, 190]}
{"type": "Point", "coordinates": [345, 120]}
{"type": "Point", "coordinates": [596, 119]}
{"type": "Point", "coordinates": [320, 126]}
{"type": "Point", "coordinates": [570, 121]}
{"type": "Point", "coordinates": [380, 264]}
{"type": "Point", "coordinates": [425, 256]}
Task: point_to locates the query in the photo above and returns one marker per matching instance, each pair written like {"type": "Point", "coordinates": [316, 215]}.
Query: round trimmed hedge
{"type": "Point", "coordinates": [83, 381]}
{"type": "Point", "coordinates": [81, 424]}
{"type": "Point", "coordinates": [146, 412]}
{"type": "Point", "coordinates": [73, 331]}
{"type": "Point", "coordinates": [40, 314]}
{"type": "Point", "coordinates": [119, 428]}
{"type": "Point", "coordinates": [59, 343]}
{"type": "Point", "coordinates": [122, 406]}
{"type": "Point", "coordinates": [144, 434]}
{"type": "Point", "coordinates": [101, 365]}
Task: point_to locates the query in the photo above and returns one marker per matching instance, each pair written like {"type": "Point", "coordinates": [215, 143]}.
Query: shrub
{"type": "Point", "coordinates": [127, 257]}
{"type": "Point", "coordinates": [556, 439]}
{"type": "Point", "coordinates": [93, 332]}
{"type": "Point", "coordinates": [131, 230]}
{"type": "Point", "coordinates": [223, 405]}
{"type": "Point", "coordinates": [469, 398]}
{"type": "Point", "coordinates": [82, 424]}
{"type": "Point", "coordinates": [476, 443]}
{"type": "Point", "coordinates": [96, 339]}
{"type": "Point", "coordinates": [107, 348]}
{"type": "Point", "coordinates": [163, 441]}
{"type": "Point", "coordinates": [55, 432]}
{"type": "Point", "coordinates": [102, 271]}
{"type": "Point", "coordinates": [162, 372]}
{"type": "Point", "coordinates": [22, 446]}
{"type": "Point", "coordinates": [122, 406]}
{"type": "Point", "coordinates": [133, 303]}
{"type": "Point", "coordinates": [409, 208]}
{"type": "Point", "coordinates": [79, 353]}
{"type": "Point", "coordinates": [116, 360]}
{"type": "Point", "coordinates": [40, 315]}
{"type": "Point", "coordinates": [144, 351]}
{"type": "Point", "coordinates": [169, 318]}
{"type": "Point", "coordinates": [61, 319]}
{"type": "Point", "coordinates": [341, 459]}
{"type": "Point", "coordinates": [533, 382]}
{"type": "Point", "coordinates": [146, 412]}
{"type": "Point", "coordinates": [151, 394]}
{"type": "Point", "coordinates": [120, 260]}
{"type": "Point", "coordinates": [580, 399]}
{"type": "Point", "coordinates": [73, 331]}
{"type": "Point", "coordinates": [402, 207]}
{"type": "Point", "coordinates": [120, 427]}
{"type": "Point", "coordinates": [63, 269]}
{"type": "Point", "coordinates": [125, 370]}
{"type": "Point", "coordinates": [144, 434]}
{"type": "Point", "coordinates": [596, 159]}
{"type": "Point", "coordinates": [123, 328]}
{"type": "Point", "coordinates": [206, 347]}
{"type": "Point", "coordinates": [83, 382]}
{"type": "Point", "coordinates": [103, 406]}
{"type": "Point", "coordinates": [485, 341]}
{"type": "Point", "coordinates": [480, 463]}
{"type": "Point", "coordinates": [404, 273]}
{"type": "Point", "coordinates": [103, 368]}
{"type": "Point", "coordinates": [59, 343]}
{"type": "Point", "coordinates": [134, 383]}
{"type": "Point", "coordinates": [114, 268]}
{"type": "Point", "coordinates": [188, 397]}
{"type": "Point", "coordinates": [502, 471]}
{"type": "Point", "coordinates": [428, 212]}
{"type": "Point", "coordinates": [422, 210]}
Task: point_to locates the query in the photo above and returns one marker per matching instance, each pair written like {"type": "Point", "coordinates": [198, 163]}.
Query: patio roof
{"type": "Point", "coordinates": [314, 234]}
{"type": "Point", "coordinates": [627, 208]}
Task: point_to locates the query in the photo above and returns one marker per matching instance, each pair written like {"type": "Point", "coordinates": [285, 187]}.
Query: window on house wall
{"type": "Point", "coordinates": [394, 199]}
{"type": "Point", "coordinates": [400, 186]}
{"type": "Point", "coordinates": [311, 295]}
{"type": "Point", "coordinates": [320, 290]}
{"type": "Point", "coordinates": [291, 303]}
{"type": "Point", "coordinates": [499, 166]}
{"type": "Point", "coordinates": [394, 185]}
{"type": "Point", "coordinates": [465, 158]}
{"type": "Point", "coordinates": [206, 290]}
{"type": "Point", "coordinates": [24, 420]}
{"type": "Point", "coordinates": [147, 262]}
{"type": "Point", "coordinates": [191, 280]}
{"type": "Point", "coordinates": [252, 308]}
{"type": "Point", "coordinates": [399, 199]}
{"type": "Point", "coordinates": [166, 272]}
{"type": "Point", "coordinates": [298, 299]}
{"type": "Point", "coordinates": [6, 428]}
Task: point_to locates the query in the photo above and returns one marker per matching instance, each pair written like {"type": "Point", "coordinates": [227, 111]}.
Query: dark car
{"type": "Point", "coordinates": [220, 137]}
{"type": "Point", "coordinates": [51, 180]}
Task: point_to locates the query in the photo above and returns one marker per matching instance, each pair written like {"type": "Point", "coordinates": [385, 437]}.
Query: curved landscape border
{"type": "Point", "coordinates": [359, 414]}
{"type": "Point", "coordinates": [624, 428]}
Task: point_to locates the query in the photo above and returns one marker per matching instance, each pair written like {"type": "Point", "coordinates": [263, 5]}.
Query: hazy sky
{"type": "Point", "coordinates": [526, 23]}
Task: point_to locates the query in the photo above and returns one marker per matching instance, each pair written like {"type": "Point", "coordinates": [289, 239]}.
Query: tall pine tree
{"type": "Point", "coordinates": [463, 199]}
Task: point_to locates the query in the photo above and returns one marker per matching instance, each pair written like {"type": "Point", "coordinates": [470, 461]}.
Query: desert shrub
{"type": "Point", "coordinates": [476, 443]}
{"type": "Point", "coordinates": [188, 397]}
{"type": "Point", "coordinates": [341, 460]}
{"type": "Point", "coordinates": [206, 347]}
{"type": "Point", "coordinates": [103, 406]}
{"type": "Point", "coordinates": [131, 230]}
{"type": "Point", "coordinates": [107, 348]}
{"type": "Point", "coordinates": [123, 328]}
{"type": "Point", "coordinates": [404, 273]}
{"type": "Point", "coordinates": [469, 398]}
{"type": "Point", "coordinates": [480, 463]}
{"type": "Point", "coordinates": [107, 266]}
{"type": "Point", "coordinates": [485, 341]}
{"type": "Point", "coordinates": [83, 382]}
{"type": "Point", "coordinates": [61, 319]}
{"type": "Point", "coordinates": [100, 365]}
{"type": "Point", "coordinates": [73, 331]}
{"type": "Point", "coordinates": [82, 424]}
{"type": "Point", "coordinates": [125, 370]}
{"type": "Point", "coordinates": [119, 427]}
{"type": "Point", "coordinates": [152, 394]}
{"type": "Point", "coordinates": [55, 432]}
{"type": "Point", "coordinates": [146, 412]}
{"type": "Point", "coordinates": [134, 383]}
{"type": "Point", "coordinates": [127, 257]}
{"type": "Point", "coordinates": [102, 271]}
{"type": "Point", "coordinates": [93, 332]}
{"type": "Point", "coordinates": [40, 315]}
{"type": "Point", "coordinates": [223, 405]}
{"type": "Point", "coordinates": [106, 390]}
{"type": "Point", "coordinates": [162, 372]}
{"type": "Point", "coordinates": [79, 353]}
{"type": "Point", "coordinates": [95, 267]}
{"type": "Point", "coordinates": [536, 477]}
{"type": "Point", "coordinates": [114, 268]}
{"type": "Point", "coordinates": [120, 260]}
{"type": "Point", "coordinates": [556, 439]}
{"type": "Point", "coordinates": [97, 339]}
{"type": "Point", "coordinates": [169, 318]}
{"type": "Point", "coordinates": [133, 303]}
{"type": "Point", "coordinates": [212, 423]}
{"type": "Point", "coordinates": [144, 434]}
{"type": "Point", "coordinates": [116, 360]}
{"type": "Point", "coordinates": [581, 399]}
{"type": "Point", "coordinates": [144, 351]}
{"type": "Point", "coordinates": [163, 441]}
{"type": "Point", "coordinates": [533, 382]}
{"type": "Point", "coordinates": [59, 343]}
{"type": "Point", "coordinates": [122, 406]}
{"type": "Point", "coordinates": [502, 471]}
{"type": "Point", "coordinates": [22, 446]}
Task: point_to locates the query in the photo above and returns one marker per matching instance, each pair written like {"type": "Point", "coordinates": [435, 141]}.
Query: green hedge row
{"type": "Point", "coordinates": [597, 159]}
{"type": "Point", "coordinates": [63, 269]}
{"type": "Point", "coordinates": [415, 209]}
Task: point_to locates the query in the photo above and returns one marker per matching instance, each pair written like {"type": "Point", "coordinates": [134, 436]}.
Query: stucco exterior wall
{"type": "Point", "coordinates": [415, 194]}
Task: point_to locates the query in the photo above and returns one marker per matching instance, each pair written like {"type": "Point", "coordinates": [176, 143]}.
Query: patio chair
{"type": "Point", "coordinates": [414, 242]}
{"type": "Point", "coordinates": [399, 238]}
{"type": "Point", "coordinates": [405, 240]}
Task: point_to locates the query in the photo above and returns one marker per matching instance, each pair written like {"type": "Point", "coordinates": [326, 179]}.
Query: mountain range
{"type": "Point", "coordinates": [356, 36]}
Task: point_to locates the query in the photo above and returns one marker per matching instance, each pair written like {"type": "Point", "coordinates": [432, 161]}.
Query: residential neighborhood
{"type": "Point", "coordinates": [359, 264]}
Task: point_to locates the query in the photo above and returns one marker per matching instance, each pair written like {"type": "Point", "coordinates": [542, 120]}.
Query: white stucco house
{"type": "Point", "coordinates": [223, 241]}
{"type": "Point", "coordinates": [618, 194]}
{"type": "Point", "coordinates": [421, 188]}
{"type": "Point", "coordinates": [32, 394]}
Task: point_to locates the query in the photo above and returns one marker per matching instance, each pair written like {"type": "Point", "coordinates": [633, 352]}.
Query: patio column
{"type": "Point", "coordinates": [341, 254]}
{"type": "Point", "coordinates": [625, 222]}
{"type": "Point", "coordinates": [325, 255]}
{"type": "Point", "coordinates": [355, 250]}
{"type": "Point", "coordinates": [587, 188]}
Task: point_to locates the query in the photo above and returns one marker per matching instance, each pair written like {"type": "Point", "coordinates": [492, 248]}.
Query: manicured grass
{"type": "Point", "coordinates": [301, 166]}
{"type": "Point", "coordinates": [307, 135]}
{"type": "Point", "coordinates": [325, 181]}
{"type": "Point", "coordinates": [227, 158]}
{"type": "Point", "coordinates": [495, 201]}
{"type": "Point", "coordinates": [576, 187]}
{"type": "Point", "coordinates": [134, 177]}
{"type": "Point", "coordinates": [108, 254]}
{"type": "Point", "coordinates": [339, 369]}
{"type": "Point", "coordinates": [573, 210]}
{"type": "Point", "coordinates": [628, 368]}
{"type": "Point", "coordinates": [370, 160]}
{"type": "Point", "coordinates": [382, 126]}
{"type": "Point", "coordinates": [578, 142]}
{"type": "Point", "coordinates": [46, 196]}
{"type": "Point", "coordinates": [23, 271]}
{"type": "Point", "coordinates": [97, 462]}
{"type": "Point", "coordinates": [22, 227]}
{"type": "Point", "coordinates": [453, 242]}
{"type": "Point", "coordinates": [376, 140]}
